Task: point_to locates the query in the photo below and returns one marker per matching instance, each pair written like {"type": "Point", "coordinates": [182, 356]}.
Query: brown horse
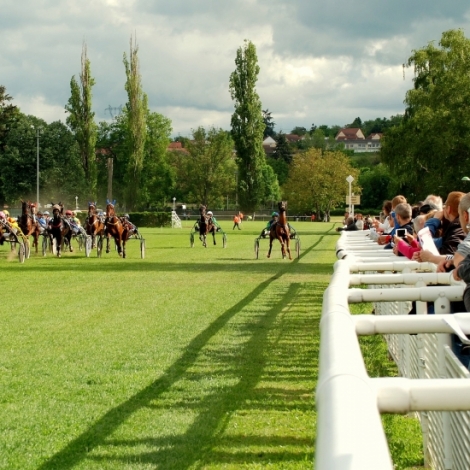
{"type": "Point", "coordinates": [280, 230]}
{"type": "Point", "coordinates": [115, 229]}
{"type": "Point", "coordinates": [59, 229]}
{"type": "Point", "coordinates": [94, 224]}
{"type": "Point", "coordinates": [28, 222]}
{"type": "Point", "coordinates": [205, 225]}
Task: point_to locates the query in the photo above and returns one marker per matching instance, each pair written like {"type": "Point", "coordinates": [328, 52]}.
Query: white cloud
{"type": "Point", "coordinates": [316, 65]}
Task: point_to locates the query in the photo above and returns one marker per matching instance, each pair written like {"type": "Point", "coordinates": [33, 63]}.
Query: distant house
{"type": "Point", "coordinates": [353, 139]}
{"type": "Point", "coordinates": [293, 138]}
{"type": "Point", "coordinates": [269, 145]}
{"type": "Point", "coordinates": [176, 147]}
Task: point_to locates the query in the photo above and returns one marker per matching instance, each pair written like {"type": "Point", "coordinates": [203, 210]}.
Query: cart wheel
{"type": "Point", "coordinates": [257, 248]}
{"type": "Point", "coordinates": [21, 253]}
{"type": "Point", "coordinates": [44, 246]}
{"type": "Point", "coordinates": [297, 247]}
{"type": "Point", "coordinates": [191, 239]}
{"type": "Point", "coordinates": [87, 246]}
{"type": "Point", "coordinates": [99, 246]}
{"type": "Point", "coordinates": [224, 240]}
{"type": "Point", "coordinates": [142, 248]}
{"type": "Point", "coordinates": [27, 249]}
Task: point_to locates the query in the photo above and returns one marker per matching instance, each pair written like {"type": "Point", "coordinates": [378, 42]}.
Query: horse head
{"type": "Point", "coordinates": [110, 210]}
{"type": "Point", "coordinates": [282, 205]}
{"type": "Point", "coordinates": [24, 207]}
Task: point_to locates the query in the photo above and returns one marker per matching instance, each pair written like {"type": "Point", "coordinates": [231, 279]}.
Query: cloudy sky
{"type": "Point", "coordinates": [322, 62]}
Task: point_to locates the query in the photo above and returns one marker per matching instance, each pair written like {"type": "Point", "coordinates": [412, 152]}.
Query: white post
{"type": "Point", "coordinates": [76, 203]}
{"type": "Point", "coordinates": [350, 179]}
{"type": "Point", "coordinates": [37, 168]}
{"type": "Point", "coordinates": [174, 203]}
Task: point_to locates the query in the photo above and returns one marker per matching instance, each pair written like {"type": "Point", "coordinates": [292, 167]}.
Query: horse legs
{"type": "Point", "coordinates": [213, 237]}
{"type": "Point", "coordinates": [288, 248]}
{"type": "Point", "coordinates": [270, 245]}
{"type": "Point", "coordinates": [107, 244]}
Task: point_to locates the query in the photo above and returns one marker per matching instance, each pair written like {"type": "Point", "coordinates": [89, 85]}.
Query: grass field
{"type": "Point", "coordinates": [189, 358]}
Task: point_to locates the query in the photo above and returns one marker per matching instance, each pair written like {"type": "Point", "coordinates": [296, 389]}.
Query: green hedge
{"type": "Point", "coordinates": [143, 219]}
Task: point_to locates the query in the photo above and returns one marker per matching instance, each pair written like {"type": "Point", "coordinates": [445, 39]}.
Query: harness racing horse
{"type": "Point", "coordinates": [280, 230]}
{"type": "Point", "coordinates": [59, 230]}
{"type": "Point", "coordinates": [115, 229]}
{"type": "Point", "coordinates": [205, 225]}
{"type": "Point", "coordinates": [28, 222]}
{"type": "Point", "coordinates": [94, 224]}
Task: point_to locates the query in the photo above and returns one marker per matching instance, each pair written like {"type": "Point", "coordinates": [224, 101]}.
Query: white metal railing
{"type": "Point", "coordinates": [431, 374]}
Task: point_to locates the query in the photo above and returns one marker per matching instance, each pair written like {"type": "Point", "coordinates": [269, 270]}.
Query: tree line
{"type": "Point", "coordinates": [425, 149]}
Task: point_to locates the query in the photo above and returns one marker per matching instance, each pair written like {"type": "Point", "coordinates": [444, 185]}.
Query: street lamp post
{"type": "Point", "coordinates": [76, 203]}
{"type": "Point", "coordinates": [174, 203]}
{"type": "Point", "coordinates": [350, 179]}
{"type": "Point", "coordinates": [37, 167]}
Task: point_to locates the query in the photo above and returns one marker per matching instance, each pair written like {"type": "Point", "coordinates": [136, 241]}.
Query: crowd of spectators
{"type": "Point", "coordinates": [430, 231]}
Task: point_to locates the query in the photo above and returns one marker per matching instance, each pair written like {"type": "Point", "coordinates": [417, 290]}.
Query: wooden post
{"type": "Point", "coordinates": [110, 179]}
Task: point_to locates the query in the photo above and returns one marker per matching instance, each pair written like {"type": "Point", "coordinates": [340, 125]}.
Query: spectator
{"type": "Point", "coordinates": [359, 222]}
{"type": "Point", "coordinates": [384, 227]}
{"type": "Point", "coordinates": [349, 227]}
{"type": "Point", "coordinates": [452, 232]}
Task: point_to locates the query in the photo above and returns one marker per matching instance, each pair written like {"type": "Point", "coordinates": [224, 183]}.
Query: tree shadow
{"type": "Point", "coordinates": [269, 345]}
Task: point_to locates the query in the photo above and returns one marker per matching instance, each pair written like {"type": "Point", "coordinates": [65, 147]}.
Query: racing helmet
{"type": "Point", "coordinates": [210, 213]}
{"type": "Point", "coordinates": [68, 212]}
{"type": "Point", "coordinates": [126, 216]}
{"type": "Point", "coordinates": [46, 213]}
{"type": "Point", "coordinates": [274, 214]}
{"type": "Point", "coordinates": [6, 213]}
{"type": "Point", "coordinates": [2, 215]}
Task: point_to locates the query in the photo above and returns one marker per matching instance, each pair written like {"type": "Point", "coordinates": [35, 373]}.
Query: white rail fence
{"type": "Point", "coordinates": [349, 402]}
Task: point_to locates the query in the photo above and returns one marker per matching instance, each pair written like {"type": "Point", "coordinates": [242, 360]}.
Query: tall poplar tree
{"type": "Point", "coordinates": [82, 123]}
{"type": "Point", "coordinates": [248, 127]}
{"type": "Point", "coordinates": [136, 114]}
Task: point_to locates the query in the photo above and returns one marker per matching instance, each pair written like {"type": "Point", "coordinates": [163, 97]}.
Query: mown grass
{"type": "Point", "coordinates": [189, 358]}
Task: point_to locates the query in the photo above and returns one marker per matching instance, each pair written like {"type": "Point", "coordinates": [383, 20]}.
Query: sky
{"type": "Point", "coordinates": [321, 62]}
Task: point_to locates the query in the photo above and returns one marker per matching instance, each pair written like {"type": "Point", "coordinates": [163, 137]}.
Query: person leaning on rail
{"type": "Point", "coordinates": [350, 226]}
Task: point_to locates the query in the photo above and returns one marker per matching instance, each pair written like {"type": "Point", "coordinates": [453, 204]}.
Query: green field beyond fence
{"type": "Point", "coordinates": [189, 358]}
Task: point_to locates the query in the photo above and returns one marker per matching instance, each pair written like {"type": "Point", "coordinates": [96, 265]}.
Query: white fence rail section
{"type": "Point", "coordinates": [349, 402]}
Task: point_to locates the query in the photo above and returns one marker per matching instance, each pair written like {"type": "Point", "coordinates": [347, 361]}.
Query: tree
{"type": "Point", "coordinates": [248, 127]}
{"type": "Point", "coordinates": [158, 177]}
{"type": "Point", "coordinates": [61, 173]}
{"type": "Point", "coordinates": [299, 131]}
{"type": "Point", "coordinates": [210, 166]}
{"type": "Point", "coordinates": [283, 150]}
{"type": "Point", "coordinates": [8, 114]}
{"type": "Point", "coordinates": [430, 150]}
{"type": "Point", "coordinates": [136, 112]}
{"type": "Point", "coordinates": [269, 124]}
{"type": "Point", "coordinates": [81, 121]}
{"type": "Point", "coordinates": [317, 181]}
{"type": "Point", "coordinates": [356, 123]}
{"type": "Point", "coordinates": [376, 185]}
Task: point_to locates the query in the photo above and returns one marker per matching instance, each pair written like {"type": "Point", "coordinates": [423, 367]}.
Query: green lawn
{"type": "Point", "coordinates": [189, 358]}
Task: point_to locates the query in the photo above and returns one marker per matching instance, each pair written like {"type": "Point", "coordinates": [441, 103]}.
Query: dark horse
{"type": "Point", "coordinates": [28, 222]}
{"type": "Point", "coordinates": [280, 230]}
{"type": "Point", "coordinates": [59, 230]}
{"type": "Point", "coordinates": [94, 224]}
{"type": "Point", "coordinates": [205, 225]}
{"type": "Point", "coordinates": [115, 229]}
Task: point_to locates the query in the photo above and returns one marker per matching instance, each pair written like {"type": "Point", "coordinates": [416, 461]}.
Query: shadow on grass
{"type": "Point", "coordinates": [267, 345]}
